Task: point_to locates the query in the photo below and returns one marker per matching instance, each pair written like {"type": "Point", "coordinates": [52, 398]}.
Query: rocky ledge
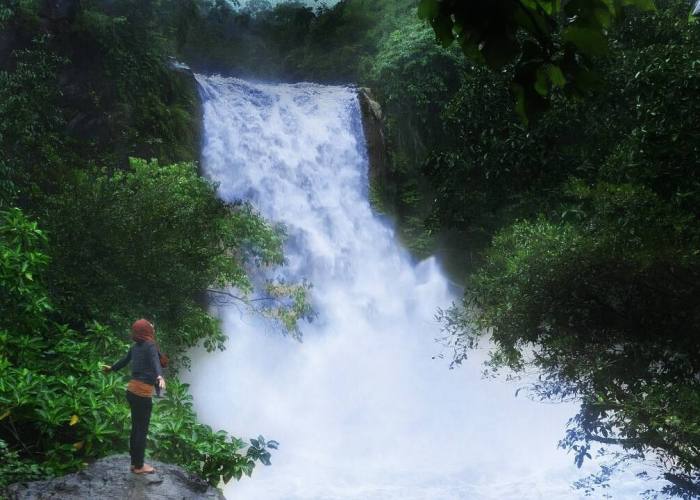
{"type": "Point", "coordinates": [109, 478]}
{"type": "Point", "coordinates": [373, 124]}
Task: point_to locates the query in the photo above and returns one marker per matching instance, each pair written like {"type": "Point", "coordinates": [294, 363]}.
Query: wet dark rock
{"type": "Point", "coordinates": [109, 478]}
{"type": "Point", "coordinates": [186, 78]}
{"type": "Point", "coordinates": [372, 121]}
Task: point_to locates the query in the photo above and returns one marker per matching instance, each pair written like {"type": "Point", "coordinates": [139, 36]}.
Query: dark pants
{"type": "Point", "coordinates": [140, 418]}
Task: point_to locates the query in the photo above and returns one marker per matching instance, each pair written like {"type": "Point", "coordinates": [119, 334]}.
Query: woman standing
{"type": "Point", "coordinates": [146, 372]}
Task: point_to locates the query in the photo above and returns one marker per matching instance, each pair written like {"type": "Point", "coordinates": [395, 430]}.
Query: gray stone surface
{"type": "Point", "coordinates": [372, 121]}
{"type": "Point", "coordinates": [109, 478]}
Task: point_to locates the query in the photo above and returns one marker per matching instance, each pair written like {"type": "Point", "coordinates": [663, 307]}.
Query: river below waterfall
{"type": "Point", "coordinates": [361, 408]}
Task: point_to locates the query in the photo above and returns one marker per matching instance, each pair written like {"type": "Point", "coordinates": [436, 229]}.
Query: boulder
{"type": "Point", "coordinates": [109, 478]}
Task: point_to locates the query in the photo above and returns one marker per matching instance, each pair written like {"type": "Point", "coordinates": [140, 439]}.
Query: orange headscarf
{"type": "Point", "coordinates": [142, 331]}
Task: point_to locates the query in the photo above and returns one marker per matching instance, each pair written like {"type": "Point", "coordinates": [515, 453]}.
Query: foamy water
{"type": "Point", "coordinates": [361, 408]}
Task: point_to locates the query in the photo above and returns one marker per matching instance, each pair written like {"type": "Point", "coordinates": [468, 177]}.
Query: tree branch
{"type": "Point", "coordinates": [619, 441]}
{"type": "Point", "coordinates": [685, 483]}
{"type": "Point", "coordinates": [236, 297]}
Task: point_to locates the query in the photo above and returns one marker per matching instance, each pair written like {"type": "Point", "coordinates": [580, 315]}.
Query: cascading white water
{"type": "Point", "coordinates": [361, 408]}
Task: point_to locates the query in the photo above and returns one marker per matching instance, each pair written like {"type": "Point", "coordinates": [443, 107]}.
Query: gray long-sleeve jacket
{"type": "Point", "coordinates": [145, 362]}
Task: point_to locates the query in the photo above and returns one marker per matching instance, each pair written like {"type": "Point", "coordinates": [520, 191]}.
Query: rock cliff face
{"type": "Point", "coordinates": [109, 478]}
{"type": "Point", "coordinates": [372, 121]}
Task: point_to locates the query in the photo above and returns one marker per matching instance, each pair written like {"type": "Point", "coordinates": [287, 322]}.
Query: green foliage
{"type": "Point", "coordinates": [148, 241]}
{"type": "Point", "coordinates": [14, 469]}
{"type": "Point", "coordinates": [177, 437]}
{"type": "Point", "coordinates": [413, 79]}
{"type": "Point", "coordinates": [48, 372]}
{"type": "Point", "coordinates": [21, 259]}
{"type": "Point", "coordinates": [30, 122]}
{"type": "Point", "coordinates": [608, 307]}
{"type": "Point", "coordinates": [57, 409]}
{"type": "Point", "coordinates": [488, 169]}
{"type": "Point", "coordinates": [127, 239]}
{"type": "Point", "coordinates": [592, 275]}
{"type": "Point", "coordinates": [95, 91]}
{"type": "Point", "coordinates": [290, 41]}
{"type": "Point", "coordinates": [148, 109]}
{"type": "Point", "coordinates": [551, 42]}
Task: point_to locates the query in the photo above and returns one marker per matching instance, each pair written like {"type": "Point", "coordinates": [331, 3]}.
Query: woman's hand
{"type": "Point", "coordinates": [106, 368]}
{"type": "Point", "coordinates": [161, 382]}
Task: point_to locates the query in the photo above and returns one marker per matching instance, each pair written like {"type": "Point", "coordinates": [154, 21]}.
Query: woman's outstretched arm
{"type": "Point", "coordinates": [121, 363]}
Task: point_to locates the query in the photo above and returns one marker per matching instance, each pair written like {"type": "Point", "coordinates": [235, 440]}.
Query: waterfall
{"type": "Point", "coordinates": [363, 408]}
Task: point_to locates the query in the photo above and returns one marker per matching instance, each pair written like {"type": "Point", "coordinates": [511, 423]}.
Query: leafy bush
{"type": "Point", "coordinates": [605, 306]}
{"type": "Point", "coordinates": [550, 43]}
{"type": "Point", "coordinates": [590, 224]}
{"type": "Point", "coordinates": [177, 437]}
{"type": "Point", "coordinates": [31, 123]}
{"type": "Point", "coordinates": [148, 242]}
{"type": "Point", "coordinates": [57, 409]}
{"type": "Point", "coordinates": [132, 239]}
{"type": "Point", "coordinates": [14, 469]}
{"type": "Point", "coordinates": [140, 105]}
